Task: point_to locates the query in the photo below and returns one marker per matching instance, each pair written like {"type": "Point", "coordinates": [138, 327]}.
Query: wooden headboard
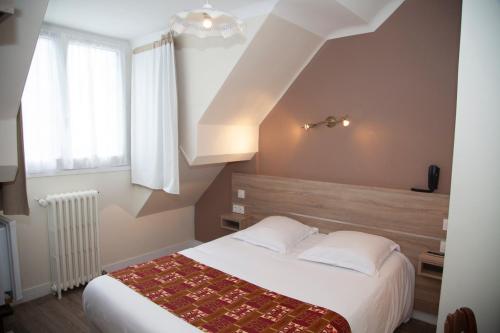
{"type": "Point", "coordinates": [413, 220]}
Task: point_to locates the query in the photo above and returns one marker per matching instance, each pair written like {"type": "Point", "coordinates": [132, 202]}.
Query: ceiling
{"type": "Point", "coordinates": [128, 19]}
{"type": "Point", "coordinates": [336, 18]}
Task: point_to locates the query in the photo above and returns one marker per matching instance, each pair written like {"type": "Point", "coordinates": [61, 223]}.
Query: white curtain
{"type": "Point", "coordinates": [154, 138]}
{"type": "Point", "coordinates": [74, 103]}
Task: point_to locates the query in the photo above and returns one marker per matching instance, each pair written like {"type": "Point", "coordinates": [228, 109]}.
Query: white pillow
{"type": "Point", "coordinates": [359, 251]}
{"type": "Point", "coordinates": [278, 233]}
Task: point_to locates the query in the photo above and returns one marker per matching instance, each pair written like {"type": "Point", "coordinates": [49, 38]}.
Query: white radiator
{"type": "Point", "coordinates": [73, 238]}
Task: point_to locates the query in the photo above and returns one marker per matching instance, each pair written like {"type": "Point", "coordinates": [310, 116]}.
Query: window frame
{"type": "Point", "coordinates": [123, 46]}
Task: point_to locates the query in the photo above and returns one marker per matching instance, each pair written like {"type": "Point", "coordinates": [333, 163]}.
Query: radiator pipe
{"type": "Point", "coordinates": [42, 202]}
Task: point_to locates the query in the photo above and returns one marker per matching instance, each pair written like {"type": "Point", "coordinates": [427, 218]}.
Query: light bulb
{"type": "Point", "coordinates": [207, 22]}
{"type": "Point", "coordinates": [306, 126]}
{"type": "Point", "coordinates": [345, 122]}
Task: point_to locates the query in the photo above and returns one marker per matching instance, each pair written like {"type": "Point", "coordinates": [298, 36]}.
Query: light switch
{"type": "Point", "coordinates": [241, 194]}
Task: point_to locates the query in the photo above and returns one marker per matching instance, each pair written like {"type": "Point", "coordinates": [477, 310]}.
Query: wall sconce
{"type": "Point", "coordinates": [329, 122]}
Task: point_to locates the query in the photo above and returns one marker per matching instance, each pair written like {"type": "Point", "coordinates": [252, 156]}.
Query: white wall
{"type": "Point", "coordinates": [123, 236]}
{"type": "Point", "coordinates": [193, 181]}
{"type": "Point", "coordinates": [229, 128]}
{"type": "Point", "coordinates": [203, 65]}
{"type": "Point", "coordinates": [472, 265]}
{"type": "Point", "coordinates": [18, 36]}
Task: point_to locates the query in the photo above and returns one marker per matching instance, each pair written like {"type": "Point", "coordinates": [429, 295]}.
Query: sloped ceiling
{"type": "Point", "coordinates": [194, 180]}
{"type": "Point", "coordinates": [226, 87]}
{"type": "Point", "coordinates": [227, 129]}
{"type": "Point", "coordinates": [18, 36]}
{"type": "Point", "coordinates": [339, 18]}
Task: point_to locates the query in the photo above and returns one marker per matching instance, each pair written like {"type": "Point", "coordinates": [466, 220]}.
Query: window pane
{"type": "Point", "coordinates": [95, 102]}
{"type": "Point", "coordinates": [42, 110]}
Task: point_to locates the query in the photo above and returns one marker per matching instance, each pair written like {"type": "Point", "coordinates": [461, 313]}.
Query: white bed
{"type": "Point", "coordinates": [370, 304]}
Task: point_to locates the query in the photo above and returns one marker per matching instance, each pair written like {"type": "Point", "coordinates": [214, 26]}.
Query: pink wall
{"type": "Point", "coordinates": [398, 86]}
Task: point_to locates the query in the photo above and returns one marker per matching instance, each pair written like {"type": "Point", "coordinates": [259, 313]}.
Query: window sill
{"type": "Point", "coordinates": [79, 172]}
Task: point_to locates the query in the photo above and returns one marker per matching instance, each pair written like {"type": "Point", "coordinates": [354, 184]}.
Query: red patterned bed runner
{"type": "Point", "coordinates": [215, 301]}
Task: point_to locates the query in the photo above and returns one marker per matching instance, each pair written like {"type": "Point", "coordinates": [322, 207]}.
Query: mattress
{"type": "Point", "coordinates": [369, 303]}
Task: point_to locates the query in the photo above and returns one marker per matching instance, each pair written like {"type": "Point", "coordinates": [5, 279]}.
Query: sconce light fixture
{"type": "Point", "coordinates": [329, 122]}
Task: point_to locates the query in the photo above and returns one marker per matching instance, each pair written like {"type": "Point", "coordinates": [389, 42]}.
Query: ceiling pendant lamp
{"type": "Point", "coordinates": [206, 22]}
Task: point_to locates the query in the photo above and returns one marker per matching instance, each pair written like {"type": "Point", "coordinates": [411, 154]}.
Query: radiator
{"type": "Point", "coordinates": [73, 238]}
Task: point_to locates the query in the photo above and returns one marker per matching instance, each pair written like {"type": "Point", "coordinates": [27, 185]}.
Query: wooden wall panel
{"type": "Point", "coordinates": [413, 220]}
{"type": "Point", "coordinates": [390, 209]}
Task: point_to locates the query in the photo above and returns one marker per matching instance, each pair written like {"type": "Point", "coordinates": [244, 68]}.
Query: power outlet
{"type": "Point", "coordinates": [238, 209]}
{"type": "Point", "coordinates": [442, 246]}
{"type": "Point", "coordinates": [241, 194]}
{"type": "Point", "coordinates": [445, 224]}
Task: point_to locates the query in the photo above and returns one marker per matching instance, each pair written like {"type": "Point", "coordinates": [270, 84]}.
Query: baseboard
{"type": "Point", "coordinates": [35, 292]}
{"type": "Point", "coordinates": [425, 317]}
{"type": "Point", "coordinates": [151, 255]}
{"type": "Point", "coordinates": [44, 289]}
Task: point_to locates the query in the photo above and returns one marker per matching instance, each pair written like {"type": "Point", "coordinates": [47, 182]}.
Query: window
{"type": "Point", "coordinates": [74, 104]}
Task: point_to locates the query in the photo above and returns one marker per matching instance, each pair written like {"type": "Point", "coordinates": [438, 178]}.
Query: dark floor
{"type": "Point", "coordinates": [50, 315]}
{"type": "Point", "coordinates": [416, 326]}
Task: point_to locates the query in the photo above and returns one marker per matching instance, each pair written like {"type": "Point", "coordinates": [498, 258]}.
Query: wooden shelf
{"type": "Point", "coordinates": [430, 265]}
{"type": "Point", "coordinates": [233, 221]}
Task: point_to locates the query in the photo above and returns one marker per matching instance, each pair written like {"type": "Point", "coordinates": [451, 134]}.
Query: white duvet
{"type": "Point", "coordinates": [370, 304]}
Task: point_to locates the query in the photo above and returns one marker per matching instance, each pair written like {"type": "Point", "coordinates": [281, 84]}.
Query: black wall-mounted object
{"type": "Point", "coordinates": [432, 180]}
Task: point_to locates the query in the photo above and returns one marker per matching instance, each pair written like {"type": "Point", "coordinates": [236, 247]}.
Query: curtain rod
{"type": "Point", "coordinates": [165, 39]}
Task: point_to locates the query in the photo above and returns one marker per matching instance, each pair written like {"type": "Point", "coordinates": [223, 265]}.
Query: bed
{"type": "Point", "coordinates": [369, 303]}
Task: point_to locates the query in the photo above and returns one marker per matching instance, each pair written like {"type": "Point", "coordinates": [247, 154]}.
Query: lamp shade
{"type": "Point", "coordinates": [206, 22]}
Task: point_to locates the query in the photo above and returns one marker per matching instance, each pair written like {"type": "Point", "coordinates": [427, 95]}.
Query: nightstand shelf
{"type": "Point", "coordinates": [233, 221]}
{"type": "Point", "coordinates": [430, 265]}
